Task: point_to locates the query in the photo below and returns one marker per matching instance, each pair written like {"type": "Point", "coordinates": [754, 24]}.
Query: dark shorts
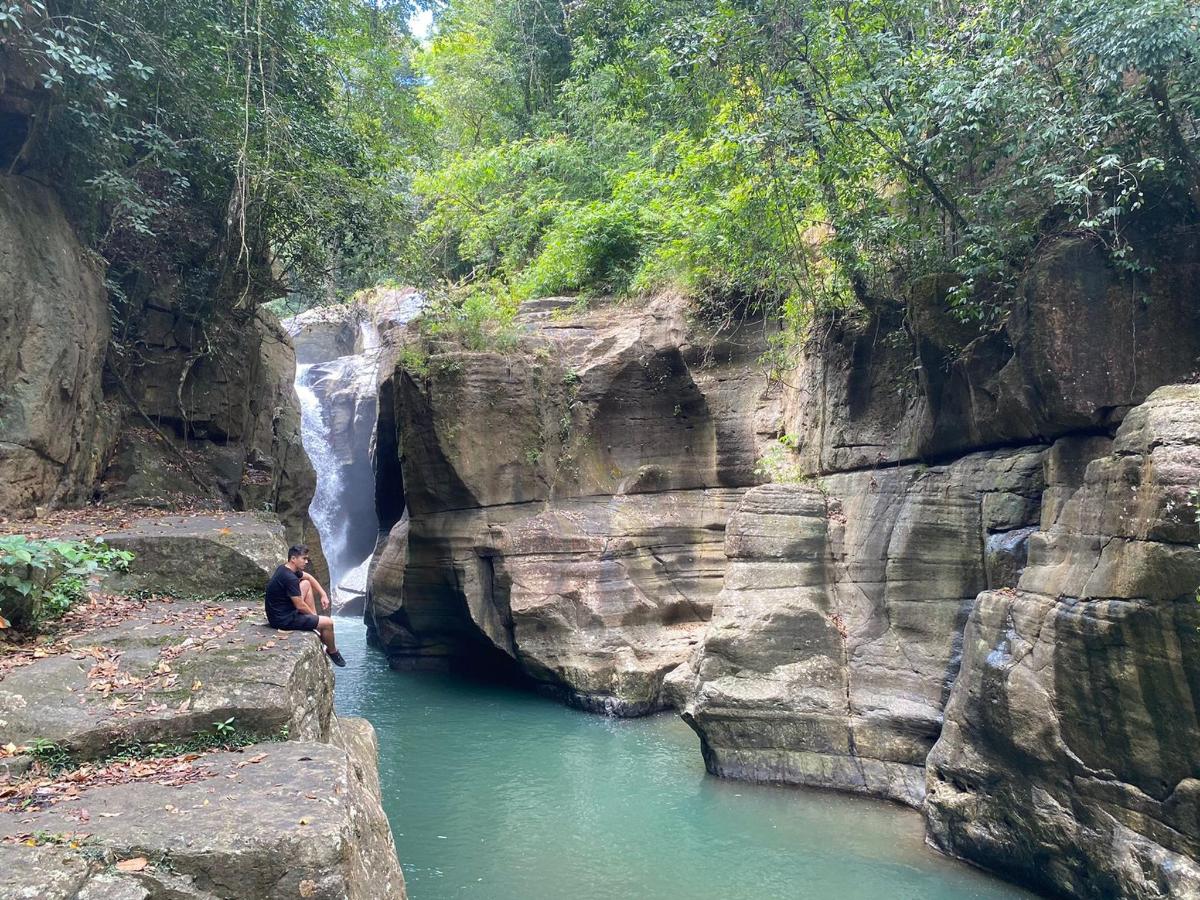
{"type": "Point", "coordinates": [297, 621]}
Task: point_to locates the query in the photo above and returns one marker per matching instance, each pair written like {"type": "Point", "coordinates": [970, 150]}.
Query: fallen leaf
{"type": "Point", "coordinates": [304, 821]}
{"type": "Point", "coordinates": [137, 864]}
{"type": "Point", "coordinates": [185, 705]}
{"type": "Point", "coordinates": [257, 758]}
{"type": "Point", "coordinates": [197, 684]}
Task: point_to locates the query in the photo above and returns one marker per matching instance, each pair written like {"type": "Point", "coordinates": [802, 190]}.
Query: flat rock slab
{"type": "Point", "coordinates": [278, 820]}
{"type": "Point", "coordinates": [199, 555]}
{"type": "Point", "coordinates": [165, 672]}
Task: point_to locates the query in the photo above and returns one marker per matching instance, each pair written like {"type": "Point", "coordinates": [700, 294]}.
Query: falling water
{"type": "Point", "coordinates": [337, 408]}
{"type": "Point", "coordinates": [327, 502]}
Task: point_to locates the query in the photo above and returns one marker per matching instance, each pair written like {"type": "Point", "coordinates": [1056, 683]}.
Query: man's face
{"type": "Point", "coordinates": [300, 562]}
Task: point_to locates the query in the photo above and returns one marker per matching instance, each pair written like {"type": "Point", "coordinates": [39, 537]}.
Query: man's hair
{"type": "Point", "coordinates": [297, 550]}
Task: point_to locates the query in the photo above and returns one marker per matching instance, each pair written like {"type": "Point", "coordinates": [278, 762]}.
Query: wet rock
{"type": "Point", "coordinates": [835, 638]}
{"type": "Point", "coordinates": [1071, 744]}
{"type": "Point", "coordinates": [326, 332]}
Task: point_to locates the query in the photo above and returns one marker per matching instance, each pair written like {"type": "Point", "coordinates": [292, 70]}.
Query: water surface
{"type": "Point", "coordinates": [495, 794]}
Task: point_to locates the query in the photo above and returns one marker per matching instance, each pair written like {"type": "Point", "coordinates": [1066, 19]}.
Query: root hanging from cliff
{"type": "Point", "coordinates": [164, 437]}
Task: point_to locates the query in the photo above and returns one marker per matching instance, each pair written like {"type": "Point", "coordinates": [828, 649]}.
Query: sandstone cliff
{"type": "Point", "coordinates": [972, 591]}
{"type": "Point", "coordinates": [566, 503]}
{"type": "Point", "coordinates": [1071, 749]}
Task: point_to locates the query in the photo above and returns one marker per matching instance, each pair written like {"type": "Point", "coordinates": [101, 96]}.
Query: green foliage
{"type": "Point", "coordinates": [796, 157]}
{"type": "Point", "coordinates": [224, 729]}
{"type": "Point", "coordinates": [590, 247]}
{"type": "Point", "coordinates": [41, 579]}
{"type": "Point", "coordinates": [477, 316]}
{"type": "Point", "coordinates": [52, 756]}
{"type": "Point", "coordinates": [247, 148]}
{"type": "Point", "coordinates": [778, 464]}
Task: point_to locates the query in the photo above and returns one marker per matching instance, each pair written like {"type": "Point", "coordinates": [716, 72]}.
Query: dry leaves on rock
{"type": "Point", "coordinates": [41, 791]}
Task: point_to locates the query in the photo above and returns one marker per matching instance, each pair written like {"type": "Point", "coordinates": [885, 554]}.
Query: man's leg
{"type": "Point", "coordinates": [306, 595]}
{"type": "Point", "coordinates": [325, 631]}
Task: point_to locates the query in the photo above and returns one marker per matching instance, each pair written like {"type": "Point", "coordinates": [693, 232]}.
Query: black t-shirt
{"type": "Point", "coordinates": [283, 586]}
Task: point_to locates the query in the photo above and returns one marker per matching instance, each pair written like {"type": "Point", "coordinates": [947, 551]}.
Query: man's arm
{"type": "Point", "coordinates": [316, 586]}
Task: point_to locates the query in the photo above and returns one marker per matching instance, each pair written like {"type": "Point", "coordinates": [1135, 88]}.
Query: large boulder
{"type": "Point", "coordinates": [269, 822]}
{"type": "Point", "coordinates": [55, 431]}
{"type": "Point", "coordinates": [1070, 756]}
{"type": "Point", "coordinates": [165, 671]}
{"type": "Point", "coordinates": [199, 555]}
{"type": "Point", "coordinates": [103, 760]}
{"type": "Point", "coordinates": [835, 638]}
{"type": "Point", "coordinates": [326, 332]}
{"type": "Point", "coordinates": [566, 501]}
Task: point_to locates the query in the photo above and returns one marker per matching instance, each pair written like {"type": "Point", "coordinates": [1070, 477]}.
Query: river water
{"type": "Point", "coordinates": [497, 794]}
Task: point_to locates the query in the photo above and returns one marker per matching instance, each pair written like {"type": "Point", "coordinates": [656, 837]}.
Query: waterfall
{"type": "Point", "coordinates": [337, 409]}
{"type": "Point", "coordinates": [337, 395]}
{"type": "Point", "coordinates": [325, 509]}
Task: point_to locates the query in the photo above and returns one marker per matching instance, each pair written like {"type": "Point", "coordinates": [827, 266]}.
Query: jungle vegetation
{"type": "Point", "coordinates": [787, 156]}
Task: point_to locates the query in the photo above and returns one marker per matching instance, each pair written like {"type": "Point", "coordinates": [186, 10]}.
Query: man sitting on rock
{"type": "Point", "coordinates": [290, 605]}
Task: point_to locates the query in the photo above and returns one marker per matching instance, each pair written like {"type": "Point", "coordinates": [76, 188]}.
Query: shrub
{"type": "Point", "coordinates": [593, 246]}
{"type": "Point", "coordinates": [477, 316]}
{"type": "Point", "coordinates": [41, 579]}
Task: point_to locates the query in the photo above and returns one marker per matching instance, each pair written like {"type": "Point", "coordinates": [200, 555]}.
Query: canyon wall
{"type": "Point", "coordinates": [566, 502]}
{"type": "Point", "coordinates": [55, 430]}
{"type": "Point", "coordinates": [969, 589]}
{"type": "Point", "coordinates": [173, 400]}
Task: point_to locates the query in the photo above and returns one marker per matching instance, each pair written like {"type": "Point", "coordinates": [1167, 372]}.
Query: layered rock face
{"type": "Point", "coordinates": [566, 504]}
{"type": "Point", "coordinates": [231, 413]}
{"type": "Point", "coordinates": [191, 401]}
{"type": "Point", "coordinates": [971, 592]}
{"type": "Point", "coordinates": [835, 639]}
{"type": "Point", "coordinates": [1070, 756]}
{"type": "Point", "coordinates": [54, 428]}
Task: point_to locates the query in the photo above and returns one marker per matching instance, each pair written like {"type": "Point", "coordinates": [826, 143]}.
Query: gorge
{"type": "Point", "coordinates": [752, 449]}
{"type": "Point", "coordinates": [588, 509]}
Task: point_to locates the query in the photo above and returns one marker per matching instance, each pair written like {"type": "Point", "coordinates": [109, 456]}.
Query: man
{"type": "Point", "coordinates": [290, 605]}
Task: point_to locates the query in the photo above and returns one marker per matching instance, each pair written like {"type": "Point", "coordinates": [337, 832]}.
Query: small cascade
{"type": "Point", "coordinates": [327, 508]}
{"type": "Point", "coordinates": [338, 401]}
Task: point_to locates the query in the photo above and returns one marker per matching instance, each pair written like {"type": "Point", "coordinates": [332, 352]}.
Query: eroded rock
{"type": "Point", "coordinates": [566, 502]}
{"type": "Point", "coordinates": [54, 428]}
{"type": "Point", "coordinates": [835, 639]}
{"type": "Point", "coordinates": [272, 821]}
{"type": "Point", "coordinates": [1071, 748]}
{"type": "Point", "coordinates": [165, 673]}
{"type": "Point", "coordinates": [1083, 344]}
